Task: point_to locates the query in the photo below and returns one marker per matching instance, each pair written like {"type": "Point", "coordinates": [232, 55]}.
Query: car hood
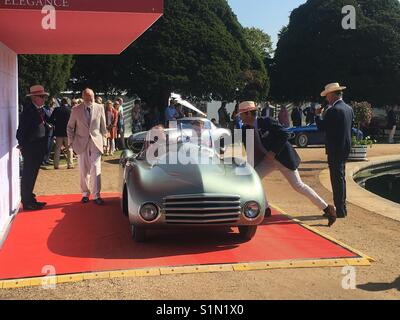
{"type": "Point", "coordinates": [160, 181]}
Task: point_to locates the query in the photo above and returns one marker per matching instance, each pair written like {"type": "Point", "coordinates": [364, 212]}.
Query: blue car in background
{"type": "Point", "coordinates": [310, 136]}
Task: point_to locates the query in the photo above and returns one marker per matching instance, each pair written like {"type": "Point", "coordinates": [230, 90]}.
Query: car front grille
{"type": "Point", "coordinates": [202, 209]}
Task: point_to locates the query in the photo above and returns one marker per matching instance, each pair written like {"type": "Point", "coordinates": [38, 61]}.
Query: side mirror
{"type": "Point", "coordinates": [126, 156]}
{"type": "Point", "coordinates": [136, 142]}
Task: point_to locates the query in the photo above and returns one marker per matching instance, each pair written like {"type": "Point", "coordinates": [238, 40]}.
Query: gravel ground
{"type": "Point", "coordinates": [366, 231]}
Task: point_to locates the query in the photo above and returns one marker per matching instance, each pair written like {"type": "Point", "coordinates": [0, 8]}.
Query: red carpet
{"type": "Point", "coordinates": [75, 238]}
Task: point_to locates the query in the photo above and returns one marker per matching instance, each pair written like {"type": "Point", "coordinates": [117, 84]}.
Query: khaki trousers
{"type": "Point", "coordinates": [392, 134]}
{"type": "Point", "coordinates": [63, 142]}
{"type": "Point", "coordinates": [90, 169]}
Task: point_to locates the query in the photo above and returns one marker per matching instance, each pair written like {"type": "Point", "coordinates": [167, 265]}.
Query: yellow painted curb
{"type": "Point", "coordinates": [326, 236]}
{"type": "Point", "coordinates": [123, 274]}
{"type": "Point", "coordinates": [298, 264]}
{"type": "Point", "coordinates": [197, 269]}
{"type": "Point", "coordinates": [96, 275]}
{"type": "Point", "coordinates": [148, 272]}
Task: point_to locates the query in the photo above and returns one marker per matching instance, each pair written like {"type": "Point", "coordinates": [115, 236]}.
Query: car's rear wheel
{"type": "Point", "coordinates": [247, 232]}
{"type": "Point", "coordinates": [302, 140]}
{"type": "Point", "coordinates": [138, 233]}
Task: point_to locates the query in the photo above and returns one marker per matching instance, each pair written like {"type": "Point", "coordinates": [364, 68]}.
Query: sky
{"type": "Point", "coordinates": [268, 15]}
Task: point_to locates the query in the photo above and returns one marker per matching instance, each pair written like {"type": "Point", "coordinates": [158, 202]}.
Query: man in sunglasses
{"type": "Point", "coordinates": [32, 140]}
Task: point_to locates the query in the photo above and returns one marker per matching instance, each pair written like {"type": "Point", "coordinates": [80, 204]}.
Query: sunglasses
{"type": "Point", "coordinates": [43, 97]}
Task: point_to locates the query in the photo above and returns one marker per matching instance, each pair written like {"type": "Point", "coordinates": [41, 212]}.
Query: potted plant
{"type": "Point", "coordinates": [363, 115]}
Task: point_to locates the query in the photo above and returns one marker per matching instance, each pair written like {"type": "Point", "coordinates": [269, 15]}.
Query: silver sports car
{"type": "Point", "coordinates": [186, 182]}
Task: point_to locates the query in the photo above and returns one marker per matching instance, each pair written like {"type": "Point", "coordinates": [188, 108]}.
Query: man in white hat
{"type": "Point", "coordinates": [337, 123]}
{"type": "Point", "coordinates": [272, 151]}
{"type": "Point", "coordinates": [32, 140]}
{"type": "Point", "coordinates": [87, 132]}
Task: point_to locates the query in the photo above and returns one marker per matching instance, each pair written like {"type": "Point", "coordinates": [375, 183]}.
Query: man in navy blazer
{"type": "Point", "coordinates": [272, 152]}
{"type": "Point", "coordinates": [337, 123]}
{"type": "Point", "coordinates": [32, 141]}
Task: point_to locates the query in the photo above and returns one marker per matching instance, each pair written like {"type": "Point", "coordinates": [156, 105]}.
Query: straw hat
{"type": "Point", "coordinates": [37, 90]}
{"type": "Point", "coordinates": [247, 106]}
{"type": "Point", "coordinates": [332, 87]}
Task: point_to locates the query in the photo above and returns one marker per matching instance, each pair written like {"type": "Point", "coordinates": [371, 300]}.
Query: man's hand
{"type": "Point", "coordinates": [318, 111]}
{"type": "Point", "coordinates": [270, 155]}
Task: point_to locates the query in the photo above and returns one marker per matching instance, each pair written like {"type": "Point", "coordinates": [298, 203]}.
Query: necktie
{"type": "Point", "coordinates": [89, 115]}
{"type": "Point", "coordinates": [41, 114]}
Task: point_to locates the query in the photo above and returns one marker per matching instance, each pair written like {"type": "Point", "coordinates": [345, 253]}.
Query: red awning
{"type": "Point", "coordinates": [82, 26]}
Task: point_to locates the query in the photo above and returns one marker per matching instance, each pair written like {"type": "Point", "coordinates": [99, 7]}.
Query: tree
{"type": "Point", "coordinates": [197, 48]}
{"type": "Point", "coordinates": [259, 41]}
{"type": "Point", "coordinates": [315, 50]}
{"type": "Point", "coordinates": [51, 71]}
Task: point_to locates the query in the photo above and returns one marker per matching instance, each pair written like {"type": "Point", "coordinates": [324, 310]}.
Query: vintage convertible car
{"type": "Point", "coordinates": [161, 194]}
{"type": "Point", "coordinates": [306, 135]}
{"type": "Point", "coordinates": [138, 139]}
{"type": "Point", "coordinates": [310, 136]}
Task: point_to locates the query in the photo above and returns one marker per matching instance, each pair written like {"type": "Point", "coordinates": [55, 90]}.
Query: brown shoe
{"type": "Point", "coordinates": [330, 215]}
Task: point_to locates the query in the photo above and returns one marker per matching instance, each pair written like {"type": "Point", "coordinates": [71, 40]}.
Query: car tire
{"type": "Point", "coordinates": [138, 234]}
{"type": "Point", "coordinates": [302, 140]}
{"type": "Point", "coordinates": [247, 232]}
{"type": "Point", "coordinates": [125, 209]}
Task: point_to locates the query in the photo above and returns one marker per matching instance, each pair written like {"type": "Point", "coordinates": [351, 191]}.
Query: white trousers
{"type": "Point", "coordinates": [266, 167]}
{"type": "Point", "coordinates": [90, 168]}
{"type": "Point", "coordinates": [392, 134]}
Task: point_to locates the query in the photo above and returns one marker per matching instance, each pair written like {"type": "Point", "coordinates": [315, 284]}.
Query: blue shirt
{"type": "Point", "coordinates": [170, 113]}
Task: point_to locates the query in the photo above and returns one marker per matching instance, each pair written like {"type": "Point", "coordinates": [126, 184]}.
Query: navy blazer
{"type": "Point", "coordinates": [338, 124]}
{"type": "Point", "coordinates": [32, 129]}
{"type": "Point", "coordinates": [274, 137]}
{"type": "Point", "coordinates": [59, 118]}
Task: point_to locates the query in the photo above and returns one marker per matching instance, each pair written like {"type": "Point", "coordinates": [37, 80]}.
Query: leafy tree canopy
{"type": "Point", "coordinates": [198, 48]}
{"type": "Point", "coordinates": [259, 41]}
{"type": "Point", "coordinates": [315, 50]}
{"type": "Point", "coordinates": [51, 71]}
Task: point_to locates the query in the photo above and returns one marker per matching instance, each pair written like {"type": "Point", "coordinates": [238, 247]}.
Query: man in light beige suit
{"type": "Point", "coordinates": [86, 134]}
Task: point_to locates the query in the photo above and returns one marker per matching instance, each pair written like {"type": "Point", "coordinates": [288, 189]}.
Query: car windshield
{"type": "Point", "coordinates": [159, 144]}
{"type": "Point", "coordinates": [190, 123]}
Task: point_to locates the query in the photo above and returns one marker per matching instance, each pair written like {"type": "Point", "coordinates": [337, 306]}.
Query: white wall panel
{"type": "Point", "coordinates": [9, 155]}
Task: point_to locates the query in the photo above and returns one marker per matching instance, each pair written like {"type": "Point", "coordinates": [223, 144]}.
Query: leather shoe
{"type": "Point", "coordinates": [41, 204]}
{"type": "Point", "coordinates": [85, 200]}
{"type": "Point", "coordinates": [99, 201]}
{"type": "Point", "coordinates": [32, 207]}
{"type": "Point", "coordinates": [331, 215]}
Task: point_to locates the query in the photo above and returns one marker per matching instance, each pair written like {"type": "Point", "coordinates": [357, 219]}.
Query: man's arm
{"type": "Point", "coordinates": [71, 127]}
{"type": "Point", "coordinates": [53, 117]}
{"type": "Point", "coordinates": [278, 134]}
{"type": "Point", "coordinates": [26, 126]}
{"type": "Point", "coordinates": [103, 126]}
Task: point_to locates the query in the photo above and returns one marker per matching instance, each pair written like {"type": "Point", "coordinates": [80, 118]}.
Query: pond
{"type": "Point", "coordinates": [383, 180]}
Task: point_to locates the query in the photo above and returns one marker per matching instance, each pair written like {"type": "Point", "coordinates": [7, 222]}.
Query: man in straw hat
{"type": "Point", "coordinates": [32, 140]}
{"type": "Point", "coordinates": [337, 123]}
{"type": "Point", "coordinates": [272, 151]}
{"type": "Point", "coordinates": [86, 132]}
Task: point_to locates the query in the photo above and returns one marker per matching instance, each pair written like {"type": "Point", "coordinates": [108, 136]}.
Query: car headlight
{"type": "Point", "coordinates": [252, 210]}
{"type": "Point", "coordinates": [149, 212]}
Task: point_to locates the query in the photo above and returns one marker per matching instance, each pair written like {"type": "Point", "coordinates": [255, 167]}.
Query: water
{"type": "Point", "coordinates": [386, 186]}
{"type": "Point", "coordinates": [383, 181]}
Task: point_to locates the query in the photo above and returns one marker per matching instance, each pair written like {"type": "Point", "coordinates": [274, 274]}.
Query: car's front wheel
{"type": "Point", "coordinates": [302, 140]}
{"type": "Point", "coordinates": [138, 233]}
{"type": "Point", "coordinates": [247, 232]}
